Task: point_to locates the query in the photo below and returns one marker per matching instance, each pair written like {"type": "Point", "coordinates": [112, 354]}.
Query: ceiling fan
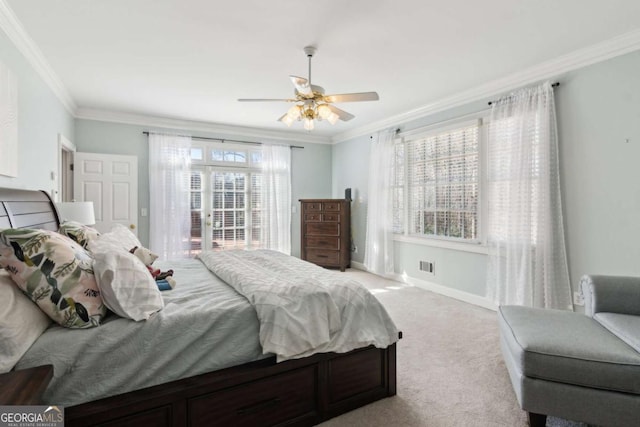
{"type": "Point", "coordinates": [312, 104]}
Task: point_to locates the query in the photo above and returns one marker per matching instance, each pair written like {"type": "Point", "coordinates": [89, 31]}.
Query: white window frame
{"type": "Point", "coordinates": [207, 148]}
{"type": "Point", "coordinates": [477, 245]}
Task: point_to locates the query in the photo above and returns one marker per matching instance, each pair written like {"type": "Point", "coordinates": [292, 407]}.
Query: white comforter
{"type": "Point", "coordinates": [303, 309]}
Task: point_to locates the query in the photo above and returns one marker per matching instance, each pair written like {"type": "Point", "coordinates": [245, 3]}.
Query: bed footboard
{"type": "Point", "coordinates": [300, 392]}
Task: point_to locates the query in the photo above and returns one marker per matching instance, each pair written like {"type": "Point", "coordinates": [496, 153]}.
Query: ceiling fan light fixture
{"type": "Point", "coordinates": [308, 124]}
{"type": "Point", "coordinates": [288, 120]}
{"type": "Point", "coordinates": [333, 118]}
{"type": "Point", "coordinates": [324, 111]}
{"type": "Point", "coordinates": [294, 113]}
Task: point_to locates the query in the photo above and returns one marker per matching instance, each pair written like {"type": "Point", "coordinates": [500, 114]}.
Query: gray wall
{"type": "Point", "coordinates": [350, 163]}
{"type": "Point", "coordinates": [598, 109]}
{"type": "Point", "coordinates": [41, 117]}
{"type": "Point", "coordinates": [310, 167]}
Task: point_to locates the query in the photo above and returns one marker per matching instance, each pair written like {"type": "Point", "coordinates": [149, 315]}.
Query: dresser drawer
{"type": "Point", "coordinates": [331, 206]}
{"type": "Point", "coordinates": [264, 402]}
{"type": "Point", "coordinates": [323, 242]}
{"type": "Point", "coordinates": [323, 257]}
{"type": "Point", "coordinates": [313, 217]}
{"type": "Point", "coordinates": [322, 229]}
{"type": "Point", "coordinates": [331, 217]}
{"type": "Point", "coordinates": [313, 207]}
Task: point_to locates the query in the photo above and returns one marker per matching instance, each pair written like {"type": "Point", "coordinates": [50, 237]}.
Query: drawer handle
{"type": "Point", "coordinates": [260, 406]}
{"type": "Point", "coordinates": [322, 256]}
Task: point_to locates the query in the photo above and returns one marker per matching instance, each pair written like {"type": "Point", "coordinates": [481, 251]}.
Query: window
{"type": "Point", "coordinates": [225, 197]}
{"type": "Point", "coordinates": [437, 184]}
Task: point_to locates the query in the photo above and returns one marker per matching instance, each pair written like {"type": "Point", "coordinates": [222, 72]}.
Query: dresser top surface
{"type": "Point", "coordinates": [323, 200]}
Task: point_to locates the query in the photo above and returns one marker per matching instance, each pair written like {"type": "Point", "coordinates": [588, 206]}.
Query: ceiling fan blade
{"type": "Point", "coordinates": [265, 100]}
{"type": "Point", "coordinates": [302, 86]}
{"type": "Point", "coordinates": [352, 97]}
{"type": "Point", "coordinates": [342, 115]}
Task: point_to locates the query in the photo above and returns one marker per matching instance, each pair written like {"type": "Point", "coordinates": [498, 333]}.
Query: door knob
{"type": "Point", "coordinates": [132, 226]}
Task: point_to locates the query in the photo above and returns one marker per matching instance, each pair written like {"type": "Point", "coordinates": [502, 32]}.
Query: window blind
{"type": "Point", "coordinates": [442, 184]}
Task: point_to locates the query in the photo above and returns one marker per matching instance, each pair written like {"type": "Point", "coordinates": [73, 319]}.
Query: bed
{"type": "Point", "coordinates": [233, 383]}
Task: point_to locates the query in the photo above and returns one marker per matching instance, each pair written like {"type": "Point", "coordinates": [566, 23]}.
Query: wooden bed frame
{"type": "Point", "coordinates": [300, 392]}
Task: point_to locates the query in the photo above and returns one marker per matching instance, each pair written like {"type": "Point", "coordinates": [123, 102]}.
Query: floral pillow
{"type": "Point", "coordinates": [79, 233]}
{"type": "Point", "coordinates": [56, 273]}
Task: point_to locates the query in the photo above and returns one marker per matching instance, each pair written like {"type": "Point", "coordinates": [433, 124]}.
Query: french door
{"type": "Point", "coordinates": [225, 209]}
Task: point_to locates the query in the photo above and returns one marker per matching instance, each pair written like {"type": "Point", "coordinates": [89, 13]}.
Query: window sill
{"type": "Point", "coordinates": [477, 248]}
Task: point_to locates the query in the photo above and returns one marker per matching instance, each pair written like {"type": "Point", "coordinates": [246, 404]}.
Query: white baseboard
{"type": "Point", "coordinates": [358, 266]}
{"type": "Point", "coordinates": [438, 289]}
{"type": "Point", "coordinates": [447, 291]}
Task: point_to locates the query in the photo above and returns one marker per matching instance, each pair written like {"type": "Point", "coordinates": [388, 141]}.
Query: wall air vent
{"type": "Point", "coordinates": [428, 267]}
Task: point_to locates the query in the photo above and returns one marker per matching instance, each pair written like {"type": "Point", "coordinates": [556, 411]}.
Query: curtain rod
{"type": "Point", "coordinates": [222, 140]}
{"type": "Point", "coordinates": [556, 84]}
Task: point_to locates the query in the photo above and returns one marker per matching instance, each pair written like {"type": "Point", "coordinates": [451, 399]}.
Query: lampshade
{"type": "Point", "coordinates": [81, 212]}
{"type": "Point", "coordinates": [294, 113]}
{"type": "Point", "coordinates": [333, 118]}
{"type": "Point", "coordinates": [324, 111]}
{"type": "Point", "coordinates": [288, 120]}
{"type": "Point", "coordinates": [308, 123]}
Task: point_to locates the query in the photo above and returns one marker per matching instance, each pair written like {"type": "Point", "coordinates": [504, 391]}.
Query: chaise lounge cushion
{"type": "Point", "coordinates": [570, 348]}
{"type": "Point", "coordinates": [624, 326]}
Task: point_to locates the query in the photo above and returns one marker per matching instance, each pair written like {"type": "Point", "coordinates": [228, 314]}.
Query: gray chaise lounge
{"type": "Point", "coordinates": [574, 366]}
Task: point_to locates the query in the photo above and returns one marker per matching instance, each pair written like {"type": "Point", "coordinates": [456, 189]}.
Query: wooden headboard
{"type": "Point", "coordinates": [27, 209]}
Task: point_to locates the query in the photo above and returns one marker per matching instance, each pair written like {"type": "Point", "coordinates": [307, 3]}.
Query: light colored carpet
{"type": "Point", "coordinates": [450, 369]}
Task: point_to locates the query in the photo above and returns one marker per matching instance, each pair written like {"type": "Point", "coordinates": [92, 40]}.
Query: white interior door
{"type": "Point", "coordinates": [111, 182]}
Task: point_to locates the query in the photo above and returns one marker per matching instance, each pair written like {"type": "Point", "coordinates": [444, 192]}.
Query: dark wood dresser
{"type": "Point", "coordinates": [326, 232]}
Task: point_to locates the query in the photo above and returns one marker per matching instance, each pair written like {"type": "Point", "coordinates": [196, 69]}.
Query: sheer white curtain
{"type": "Point", "coordinates": [170, 210]}
{"type": "Point", "coordinates": [527, 257]}
{"type": "Point", "coordinates": [378, 256]}
{"type": "Point", "coordinates": [275, 209]}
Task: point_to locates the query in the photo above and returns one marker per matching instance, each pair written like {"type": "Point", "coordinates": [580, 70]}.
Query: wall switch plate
{"type": "Point", "coordinates": [143, 212]}
{"type": "Point", "coordinates": [578, 299]}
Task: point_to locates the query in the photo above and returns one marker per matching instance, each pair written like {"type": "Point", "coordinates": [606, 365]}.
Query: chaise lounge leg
{"type": "Point", "coordinates": [537, 420]}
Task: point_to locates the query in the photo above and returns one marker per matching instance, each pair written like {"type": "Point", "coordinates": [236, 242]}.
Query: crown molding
{"type": "Point", "coordinates": [190, 125]}
{"type": "Point", "coordinates": [599, 52]}
{"type": "Point", "coordinates": [25, 45]}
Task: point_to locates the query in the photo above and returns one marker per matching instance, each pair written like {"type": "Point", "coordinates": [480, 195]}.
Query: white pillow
{"type": "Point", "coordinates": [21, 323]}
{"type": "Point", "coordinates": [126, 285]}
{"type": "Point", "coordinates": [119, 236]}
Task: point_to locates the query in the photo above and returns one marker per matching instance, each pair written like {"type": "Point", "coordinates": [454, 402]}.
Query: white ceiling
{"type": "Point", "coordinates": [192, 59]}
